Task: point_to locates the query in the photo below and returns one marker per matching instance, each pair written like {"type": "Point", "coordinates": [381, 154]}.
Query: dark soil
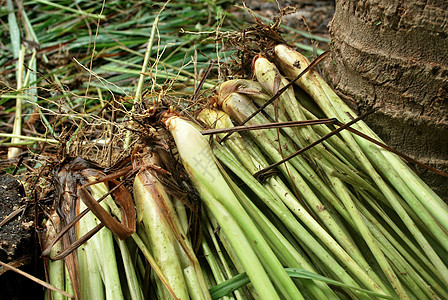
{"type": "Point", "coordinates": [15, 235]}
{"type": "Point", "coordinates": [17, 243]}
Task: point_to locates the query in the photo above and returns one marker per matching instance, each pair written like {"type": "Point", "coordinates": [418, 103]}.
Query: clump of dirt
{"type": "Point", "coordinates": [15, 234]}
{"type": "Point", "coordinates": [17, 243]}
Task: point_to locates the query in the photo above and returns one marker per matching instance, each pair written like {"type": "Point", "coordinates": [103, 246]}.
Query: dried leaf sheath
{"type": "Point", "coordinates": [169, 244]}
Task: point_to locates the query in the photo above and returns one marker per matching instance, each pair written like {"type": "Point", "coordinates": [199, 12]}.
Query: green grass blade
{"type": "Point", "coordinates": [242, 279]}
{"type": "Point", "coordinates": [14, 30]}
{"type": "Point", "coordinates": [75, 11]}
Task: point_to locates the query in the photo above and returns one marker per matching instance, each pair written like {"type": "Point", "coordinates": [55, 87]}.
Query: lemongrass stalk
{"type": "Point", "coordinates": [389, 171]}
{"type": "Point", "coordinates": [163, 209]}
{"type": "Point", "coordinates": [90, 276]}
{"type": "Point", "coordinates": [68, 282]}
{"type": "Point", "coordinates": [242, 248]}
{"type": "Point", "coordinates": [434, 257]}
{"type": "Point", "coordinates": [335, 144]}
{"type": "Point", "coordinates": [213, 230]}
{"type": "Point", "coordinates": [141, 242]}
{"type": "Point", "coordinates": [134, 285]}
{"type": "Point", "coordinates": [209, 278]}
{"type": "Point", "coordinates": [228, 274]}
{"type": "Point", "coordinates": [147, 254]}
{"type": "Point", "coordinates": [199, 162]}
{"type": "Point", "coordinates": [271, 80]}
{"type": "Point", "coordinates": [355, 220]}
{"type": "Point", "coordinates": [403, 236]}
{"type": "Point", "coordinates": [255, 91]}
{"type": "Point", "coordinates": [368, 237]}
{"type": "Point", "coordinates": [218, 119]}
{"type": "Point", "coordinates": [234, 146]}
{"type": "Point", "coordinates": [140, 267]}
{"type": "Point", "coordinates": [182, 214]}
{"type": "Point", "coordinates": [395, 251]}
{"type": "Point", "coordinates": [239, 107]}
{"type": "Point", "coordinates": [332, 165]}
{"type": "Point", "coordinates": [333, 107]}
{"type": "Point", "coordinates": [412, 282]}
{"type": "Point", "coordinates": [226, 254]}
{"type": "Point", "coordinates": [291, 257]}
{"type": "Point", "coordinates": [392, 174]}
{"type": "Point", "coordinates": [193, 285]}
{"type": "Point", "coordinates": [265, 252]}
{"type": "Point", "coordinates": [56, 273]}
{"type": "Point", "coordinates": [301, 233]}
{"type": "Point", "coordinates": [421, 210]}
{"type": "Point", "coordinates": [269, 77]}
{"type": "Point", "coordinates": [105, 251]}
{"type": "Point", "coordinates": [211, 260]}
{"type": "Point", "coordinates": [158, 232]}
{"type": "Point", "coordinates": [312, 225]}
{"type": "Point", "coordinates": [140, 229]}
{"type": "Point", "coordinates": [213, 264]}
{"type": "Point", "coordinates": [377, 197]}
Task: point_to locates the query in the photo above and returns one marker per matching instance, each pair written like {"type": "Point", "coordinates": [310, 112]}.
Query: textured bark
{"type": "Point", "coordinates": [394, 53]}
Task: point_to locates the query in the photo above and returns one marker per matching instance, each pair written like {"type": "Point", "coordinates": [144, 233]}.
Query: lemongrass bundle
{"type": "Point", "coordinates": [283, 195]}
{"type": "Point", "coordinates": [430, 209]}
{"type": "Point", "coordinates": [345, 183]}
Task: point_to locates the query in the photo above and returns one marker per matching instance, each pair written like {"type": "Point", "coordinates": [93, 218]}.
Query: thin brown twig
{"type": "Point", "coordinates": [12, 215]}
{"type": "Point", "coordinates": [35, 279]}
{"type": "Point", "coordinates": [345, 126]}
{"type": "Point", "coordinates": [270, 125]}
{"type": "Point", "coordinates": [25, 260]}
{"type": "Point", "coordinates": [201, 83]}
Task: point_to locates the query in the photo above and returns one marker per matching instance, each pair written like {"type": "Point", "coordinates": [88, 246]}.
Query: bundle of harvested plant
{"type": "Point", "coordinates": [357, 200]}
{"type": "Point", "coordinates": [343, 217]}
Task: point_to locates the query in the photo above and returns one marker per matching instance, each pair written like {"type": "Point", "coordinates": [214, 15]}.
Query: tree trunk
{"type": "Point", "coordinates": [394, 54]}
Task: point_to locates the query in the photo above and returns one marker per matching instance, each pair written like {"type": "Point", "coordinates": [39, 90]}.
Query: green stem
{"type": "Point", "coordinates": [75, 11]}
{"type": "Point", "coordinates": [17, 129]}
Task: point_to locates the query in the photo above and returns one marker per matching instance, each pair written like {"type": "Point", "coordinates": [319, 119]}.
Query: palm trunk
{"type": "Point", "coordinates": [393, 54]}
